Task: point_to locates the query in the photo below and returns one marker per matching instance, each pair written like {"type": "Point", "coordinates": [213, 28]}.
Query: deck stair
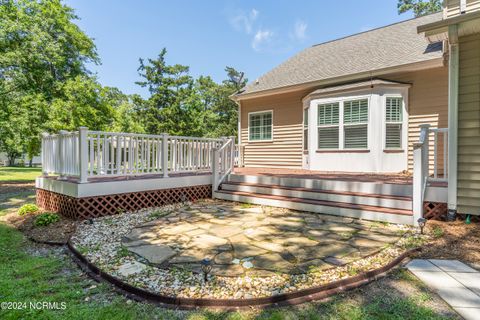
{"type": "Point", "coordinates": [366, 200]}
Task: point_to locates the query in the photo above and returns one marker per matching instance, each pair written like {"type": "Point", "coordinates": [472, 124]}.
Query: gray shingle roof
{"type": "Point", "coordinates": [390, 46]}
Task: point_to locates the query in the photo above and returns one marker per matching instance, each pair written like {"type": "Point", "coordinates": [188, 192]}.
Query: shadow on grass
{"type": "Point", "coordinates": [12, 198]}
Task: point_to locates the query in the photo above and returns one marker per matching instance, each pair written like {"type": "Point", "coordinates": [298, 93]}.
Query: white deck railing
{"type": "Point", "coordinates": [86, 154]}
{"type": "Point", "coordinates": [422, 173]}
{"type": "Point", "coordinates": [223, 162]}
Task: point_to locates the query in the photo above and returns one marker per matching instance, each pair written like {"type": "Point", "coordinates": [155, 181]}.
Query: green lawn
{"type": "Point", "coordinates": [32, 273]}
{"type": "Point", "coordinates": [19, 174]}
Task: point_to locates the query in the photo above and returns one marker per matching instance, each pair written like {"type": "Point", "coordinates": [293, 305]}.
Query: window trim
{"type": "Point", "coordinates": [248, 133]}
{"type": "Point", "coordinates": [306, 127]}
{"type": "Point", "coordinates": [330, 125]}
{"type": "Point", "coordinates": [402, 123]}
{"type": "Point", "coordinates": [356, 124]}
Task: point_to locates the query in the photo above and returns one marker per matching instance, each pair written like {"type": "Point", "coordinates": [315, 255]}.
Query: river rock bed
{"type": "Point", "coordinates": [255, 251]}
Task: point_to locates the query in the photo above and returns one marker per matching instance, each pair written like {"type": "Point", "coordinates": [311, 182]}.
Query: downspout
{"type": "Point", "coordinates": [453, 78]}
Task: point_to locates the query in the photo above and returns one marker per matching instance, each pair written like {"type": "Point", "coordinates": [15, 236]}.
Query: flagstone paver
{"type": "Point", "coordinates": [257, 240]}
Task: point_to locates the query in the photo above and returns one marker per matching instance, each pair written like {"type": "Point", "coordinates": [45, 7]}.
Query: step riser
{"type": "Point", "coordinates": [353, 213]}
{"type": "Point", "coordinates": [331, 185]}
{"type": "Point", "coordinates": [371, 201]}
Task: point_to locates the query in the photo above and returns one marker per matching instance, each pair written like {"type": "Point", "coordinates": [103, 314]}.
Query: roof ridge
{"type": "Point", "coordinates": [374, 29]}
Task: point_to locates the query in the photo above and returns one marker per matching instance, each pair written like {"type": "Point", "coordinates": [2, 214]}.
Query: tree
{"type": "Point", "coordinates": [41, 49]}
{"type": "Point", "coordinates": [170, 87]}
{"type": "Point", "coordinates": [84, 103]}
{"type": "Point", "coordinates": [181, 105]}
{"type": "Point", "coordinates": [127, 116]}
{"type": "Point", "coordinates": [419, 7]}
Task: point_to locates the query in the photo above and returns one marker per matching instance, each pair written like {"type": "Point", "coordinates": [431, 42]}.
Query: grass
{"type": "Point", "coordinates": [31, 274]}
{"type": "Point", "coordinates": [13, 196]}
{"type": "Point", "coordinates": [19, 174]}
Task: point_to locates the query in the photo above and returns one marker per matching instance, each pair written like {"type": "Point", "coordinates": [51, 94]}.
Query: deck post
{"type": "Point", "coordinates": [215, 168]}
{"type": "Point", "coordinates": [83, 153]}
{"type": "Point", "coordinates": [44, 154]}
{"type": "Point", "coordinates": [232, 160]}
{"type": "Point", "coordinates": [424, 129]}
{"type": "Point", "coordinates": [61, 154]}
{"type": "Point", "coordinates": [165, 154]}
{"type": "Point", "coordinates": [418, 183]}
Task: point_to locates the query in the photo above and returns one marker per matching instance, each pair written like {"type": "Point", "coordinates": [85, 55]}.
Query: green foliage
{"type": "Point", "coordinates": [46, 87]}
{"type": "Point", "coordinates": [181, 105]}
{"type": "Point", "coordinates": [437, 232]}
{"type": "Point", "coordinates": [46, 219]}
{"type": "Point", "coordinates": [84, 103]}
{"type": "Point", "coordinates": [419, 7]}
{"type": "Point", "coordinates": [41, 50]}
{"type": "Point", "coordinates": [27, 208]}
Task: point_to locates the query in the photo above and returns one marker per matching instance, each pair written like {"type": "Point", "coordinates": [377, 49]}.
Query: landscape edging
{"type": "Point", "coordinates": [290, 298]}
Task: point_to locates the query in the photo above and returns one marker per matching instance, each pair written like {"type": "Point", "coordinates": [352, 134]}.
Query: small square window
{"type": "Point", "coordinates": [260, 126]}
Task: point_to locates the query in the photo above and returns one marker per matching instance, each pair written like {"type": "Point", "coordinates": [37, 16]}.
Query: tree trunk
{"type": "Point", "coordinates": [30, 162]}
{"type": "Point", "coordinates": [11, 160]}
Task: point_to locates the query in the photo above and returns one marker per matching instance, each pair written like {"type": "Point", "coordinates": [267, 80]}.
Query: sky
{"type": "Point", "coordinates": [208, 35]}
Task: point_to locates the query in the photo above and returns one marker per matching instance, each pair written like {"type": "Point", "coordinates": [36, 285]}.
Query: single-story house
{"type": "Point", "coordinates": [383, 125]}
{"type": "Point", "coordinates": [358, 104]}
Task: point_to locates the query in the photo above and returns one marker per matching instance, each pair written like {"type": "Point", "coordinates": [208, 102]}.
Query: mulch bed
{"type": "Point", "coordinates": [456, 240]}
{"type": "Point", "coordinates": [56, 233]}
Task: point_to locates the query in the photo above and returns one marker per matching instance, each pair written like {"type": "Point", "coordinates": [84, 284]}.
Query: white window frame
{"type": "Point", "coordinates": [305, 144]}
{"type": "Point", "coordinates": [262, 140]}
{"type": "Point", "coordinates": [402, 123]}
{"type": "Point", "coordinates": [357, 123]}
{"type": "Point", "coordinates": [338, 125]}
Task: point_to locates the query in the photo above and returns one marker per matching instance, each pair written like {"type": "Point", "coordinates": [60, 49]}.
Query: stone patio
{"type": "Point", "coordinates": [240, 239]}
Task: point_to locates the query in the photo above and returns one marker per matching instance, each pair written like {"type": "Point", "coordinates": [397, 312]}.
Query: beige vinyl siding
{"type": "Point", "coordinates": [453, 7]}
{"type": "Point", "coordinates": [285, 149]}
{"type": "Point", "coordinates": [469, 126]}
{"type": "Point", "coordinates": [428, 103]}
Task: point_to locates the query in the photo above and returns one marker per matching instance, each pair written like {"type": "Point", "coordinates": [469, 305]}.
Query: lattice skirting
{"type": "Point", "coordinates": [92, 207]}
{"type": "Point", "coordinates": [435, 210]}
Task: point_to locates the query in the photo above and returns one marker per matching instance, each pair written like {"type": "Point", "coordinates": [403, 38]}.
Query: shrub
{"type": "Point", "coordinates": [46, 218]}
{"type": "Point", "coordinates": [27, 208]}
{"type": "Point", "coordinates": [437, 232]}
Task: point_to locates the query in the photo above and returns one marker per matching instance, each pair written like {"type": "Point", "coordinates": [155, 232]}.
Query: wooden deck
{"type": "Point", "coordinates": [385, 178]}
{"type": "Point", "coordinates": [322, 175]}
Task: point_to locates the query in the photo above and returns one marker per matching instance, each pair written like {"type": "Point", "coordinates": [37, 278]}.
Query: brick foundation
{"type": "Point", "coordinates": [92, 207]}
